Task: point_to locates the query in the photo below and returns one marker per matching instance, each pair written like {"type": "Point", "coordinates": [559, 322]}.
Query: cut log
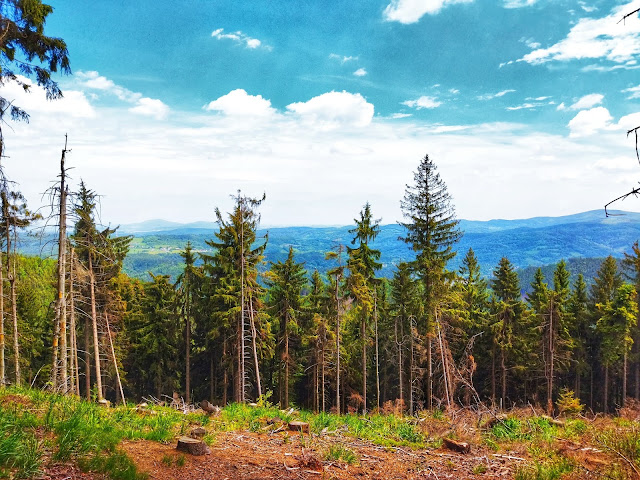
{"type": "Point", "coordinates": [297, 426]}
{"type": "Point", "coordinates": [198, 432]}
{"type": "Point", "coordinates": [553, 421]}
{"type": "Point", "coordinates": [192, 446]}
{"type": "Point", "coordinates": [208, 407]}
{"type": "Point", "coordinates": [460, 447]}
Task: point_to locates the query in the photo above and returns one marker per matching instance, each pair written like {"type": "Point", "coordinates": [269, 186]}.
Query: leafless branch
{"type": "Point", "coordinates": [635, 192]}
{"type": "Point", "coordinates": [628, 15]}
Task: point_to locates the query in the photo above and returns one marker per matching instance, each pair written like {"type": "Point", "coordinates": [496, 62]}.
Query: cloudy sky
{"type": "Point", "coordinates": [324, 105]}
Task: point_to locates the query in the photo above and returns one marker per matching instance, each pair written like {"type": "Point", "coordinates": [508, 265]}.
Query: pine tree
{"type": "Point", "coordinates": [237, 260]}
{"type": "Point", "coordinates": [363, 265]}
{"type": "Point", "coordinates": [186, 291]}
{"type": "Point", "coordinates": [473, 316]}
{"type": "Point", "coordinates": [286, 281]}
{"type": "Point", "coordinates": [26, 51]}
{"type": "Point", "coordinates": [404, 308]}
{"type": "Point", "coordinates": [336, 274]}
{"type": "Point", "coordinates": [431, 230]}
{"type": "Point", "coordinates": [618, 317]}
{"type": "Point", "coordinates": [508, 310]}
{"type": "Point", "coordinates": [631, 268]}
{"type": "Point", "coordinates": [579, 331]}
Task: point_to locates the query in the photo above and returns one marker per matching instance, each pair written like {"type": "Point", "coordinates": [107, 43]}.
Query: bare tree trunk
{"type": "Point", "coordinates": [3, 372]}
{"type": "Point", "coordinates": [375, 322]}
{"type": "Point", "coordinates": [493, 375]}
{"type": "Point", "coordinates": [14, 314]}
{"type": "Point", "coordinates": [605, 400]}
{"type": "Point", "coordinates": [94, 321]}
{"type": "Point", "coordinates": [445, 369]}
{"type": "Point", "coordinates": [241, 365]}
{"type": "Point", "coordinates": [75, 379]}
{"type": "Point", "coordinates": [61, 310]}
{"type": "Point", "coordinates": [364, 365]}
{"type": "Point", "coordinates": [254, 345]}
{"type": "Point", "coordinates": [87, 358]}
{"type": "Point", "coordinates": [399, 346]}
{"type": "Point", "coordinates": [429, 373]}
{"type": "Point", "coordinates": [188, 346]}
{"type": "Point", "coordinates": [115, 360]}
{"type": "Point", "coordinates": [225, 375]}
{"type": "Point", "coordinates": [337, 346]}
{"type": "Point", "coordinates": [503, 366]}
{"type": "Point", "coordinates": [551, 361]}
{"type": "Point", "coordinates": [322, 375]}
{"type": "Point", "coordinates": [624, 378]}
{"type": "Point", "coordinates": [286, 365]}
{"type": "Point", "coordinates": [411, 371]}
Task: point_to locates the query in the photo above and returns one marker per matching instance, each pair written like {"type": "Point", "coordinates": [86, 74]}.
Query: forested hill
{"type": "Point", "coordinates": [529, 242]}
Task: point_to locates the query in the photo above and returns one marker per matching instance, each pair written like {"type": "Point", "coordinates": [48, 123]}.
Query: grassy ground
{"type": "Point", "coordinates": [39, 430]}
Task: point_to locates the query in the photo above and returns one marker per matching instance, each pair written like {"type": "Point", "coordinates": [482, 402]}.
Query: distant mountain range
{"type": "Point", "coordinates": [529, 242]}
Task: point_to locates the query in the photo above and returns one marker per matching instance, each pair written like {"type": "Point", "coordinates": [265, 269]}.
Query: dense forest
{"type": "Point", "coordinates": [232, 328]}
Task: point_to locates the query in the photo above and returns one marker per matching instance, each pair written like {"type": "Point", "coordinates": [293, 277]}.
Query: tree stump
{"type": "Point", "coordinates": [198, 432]}
{"type": "Point", "coordinates": [297, 426]}
{"type": "Point", "coordinates": [460, 447]}
{"type": "Point", "coordinates": [192, 446]}
{"type": "Point", "coordinates": [208, 407]}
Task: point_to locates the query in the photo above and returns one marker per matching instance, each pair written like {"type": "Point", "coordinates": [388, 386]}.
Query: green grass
{"type": "Point", "coordinates": [340, 453]}
{"type": "Point", "coordinates": [549, 470]}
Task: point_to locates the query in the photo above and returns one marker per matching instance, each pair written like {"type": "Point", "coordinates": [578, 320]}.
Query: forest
{"type": "Point", "coordinates": [231, 328]}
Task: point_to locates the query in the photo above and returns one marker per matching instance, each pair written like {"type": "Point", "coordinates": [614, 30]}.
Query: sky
{"type": "Point", "coordinates": [173, 106]}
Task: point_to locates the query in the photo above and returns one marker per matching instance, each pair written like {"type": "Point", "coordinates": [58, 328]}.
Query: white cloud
{"type": "Point", "coordinates": [491, 96]}
{"type": "Point", "coordinates": [74, 103]}
{"type": "Point", "coordinates": [530, 42]}
{"type": "Point", "coordinates": [588, 101]}
{"type": "Point", "coordinates": [401, 115]}
{"type": "Point", "coordinates": [588, 122]}
{"type": "Point", "coordinates": [240, 38]}
{"type": "Point", "coordinates": [634, 91]}
{"type": "Point", "coordinates": [423, 102]}
{"type": "Point", "coordinates": [410, 11]}
{"type": "Point", "coordinates": [532, 105]}
{"type": "Point", "coordinates": [454, 91]}
{"type": "Point", "coordinates": [342, 58]}
{"type": "Point", "coordinates": [333, 109]}
{"type": "Point", "coordinates": [94, 81]}
{"type": "Point", "coordinates": [239, 102]}
{"type": "Point", "coordinates": [591, 38]}
{"type": "Point", "coordinates": [518, 3]}
{"type": "Point", "coordinates": [361, 72]}
{"type": "Point", "coordinates": [151, 107]}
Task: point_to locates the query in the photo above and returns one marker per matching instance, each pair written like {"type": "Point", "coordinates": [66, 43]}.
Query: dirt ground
{"type": "Point", "coordinates": [262, 456]}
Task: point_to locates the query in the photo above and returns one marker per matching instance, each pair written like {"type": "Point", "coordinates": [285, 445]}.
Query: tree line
{"type": "Point", "coordinates": [232, 328]}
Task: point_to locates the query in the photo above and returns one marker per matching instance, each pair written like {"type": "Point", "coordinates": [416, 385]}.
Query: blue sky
{"type": "Point", "coordinates": [523, 105]}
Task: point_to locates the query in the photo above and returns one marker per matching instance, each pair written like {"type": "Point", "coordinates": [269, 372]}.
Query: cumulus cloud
{"type": "Point", "coordinates": [410, 11]}
{"type": "Point", "coordinates": [595, 38]}
{"type": "Point", "coordinates": [335, 108]}
{"type": "Point", "coordinates": [151, 107]}
{"type": "Point", "coordinates": [588, 101]}
{"type": "Point", "coordinates": [240, 38]}
{"type": "Point", "coordinates": [74, 103]}
{"type": "Point", "coordinates": [588, 122]}
{"type": "Point", "coordinates": [423, 102]}
{"type": "Point", "coordinates": [94, 81]}
{"type": "Point", "coordinates": [361, 72]}
{"type": "Point", "coordinates": [491, 96]}
{"type": "Point", "coordinates": [239, 103]}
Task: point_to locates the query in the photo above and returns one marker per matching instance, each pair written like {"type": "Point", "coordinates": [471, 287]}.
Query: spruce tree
{"type": "Point", "coordinates": [432, 230]}
{"type": "Point", "coordinates": [631, 269]}
{"type": "Point", "coordinates": [363, 265]}
{"type": "Point", "coordinates": [286, 281]}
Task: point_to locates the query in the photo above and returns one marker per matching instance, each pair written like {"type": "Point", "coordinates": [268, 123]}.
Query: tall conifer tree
{"type": "Point", "coordinates": [432, 230]}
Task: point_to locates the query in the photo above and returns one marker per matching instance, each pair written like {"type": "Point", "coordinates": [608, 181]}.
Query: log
{"type": "Point", "coordinates": [198, 432]}
{"type": "Point", "coordinates": [192, 446]}
{"type": "Point", "coordinates": [460, 447]}
{"type": "Point", "coordinates": [208, 407]}
{"type": "Point", "coordinates": [297, 426]}
{"type": "Point", "coordinates": [553, 421]}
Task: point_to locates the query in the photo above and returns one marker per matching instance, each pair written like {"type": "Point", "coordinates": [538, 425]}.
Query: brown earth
{"type": "Point", "coordinates": [263, 456]}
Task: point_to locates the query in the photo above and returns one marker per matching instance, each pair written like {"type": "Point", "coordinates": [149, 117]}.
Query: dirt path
{"type": "Point", "coordinates": [252, 456]}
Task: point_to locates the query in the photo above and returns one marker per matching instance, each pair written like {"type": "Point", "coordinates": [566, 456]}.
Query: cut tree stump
{"type": "Point", "coordinates": [192, 446]}
{"type": "Point", "coordinates": [208, 407]}
{"type": "Point", "coordinates": [460, 447]}
{"type": "Point", "coordinates": [297, 426]}
{"type": "Point", "coordinates": [198, 432]}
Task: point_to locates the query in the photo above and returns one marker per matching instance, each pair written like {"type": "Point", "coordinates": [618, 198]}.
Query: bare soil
{"type": "Point", "coordinates": [263, 456]}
